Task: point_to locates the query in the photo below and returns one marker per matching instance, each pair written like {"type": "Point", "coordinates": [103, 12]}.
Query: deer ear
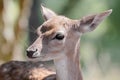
{"type": "Point", "coordinates": [47, 13]}
{"type": "Point", "coordinates": [89, 23]}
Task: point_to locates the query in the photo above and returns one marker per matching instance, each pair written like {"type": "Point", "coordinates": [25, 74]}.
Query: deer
{"type": "Point", "coordinates": [59, 40]}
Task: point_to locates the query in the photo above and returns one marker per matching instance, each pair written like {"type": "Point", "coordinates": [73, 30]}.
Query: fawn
{"type": "Point", "coordinates": [59, 40]}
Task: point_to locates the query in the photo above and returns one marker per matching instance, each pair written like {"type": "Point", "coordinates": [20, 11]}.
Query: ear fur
{"type": "Point", "coordinates": [89, 23]}
{"type": "Point", "coordinates": [47, 13]}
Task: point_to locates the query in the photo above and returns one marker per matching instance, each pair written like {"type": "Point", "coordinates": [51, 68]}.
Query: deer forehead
{"type": "Point", "coordinates": [56, 22]}
{"type": "Point", "coordinates": [54, 25]}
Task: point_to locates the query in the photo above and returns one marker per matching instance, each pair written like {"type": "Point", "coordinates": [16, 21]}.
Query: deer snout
{"type": "Point", "coordinates": [31, 53]}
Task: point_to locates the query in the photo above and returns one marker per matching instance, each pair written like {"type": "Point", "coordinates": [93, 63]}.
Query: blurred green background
{"type": "Point", "coordinates": [100, 49]}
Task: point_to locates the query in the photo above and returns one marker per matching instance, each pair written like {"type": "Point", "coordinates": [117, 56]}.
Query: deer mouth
{"type": "Point", "coordinates": [30, 55]}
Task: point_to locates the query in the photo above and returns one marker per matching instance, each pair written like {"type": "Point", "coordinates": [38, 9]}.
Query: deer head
{"type": "Point", "coordinates": [59, 35]}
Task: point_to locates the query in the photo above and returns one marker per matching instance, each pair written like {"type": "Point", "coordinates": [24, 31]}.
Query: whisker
{"type": "Point", "coordinates": [33, 28]}
{"type": "Point", "coordinates": [29, 30]}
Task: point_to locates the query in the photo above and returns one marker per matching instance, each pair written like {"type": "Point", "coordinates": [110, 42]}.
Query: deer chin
{"type": "Point", "coordinates": [46, 57]}
{"type": "Point", "coordinates": [38, 58]}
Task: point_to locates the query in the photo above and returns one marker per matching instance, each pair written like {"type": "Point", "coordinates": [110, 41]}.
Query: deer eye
{"type": "Point", "coordinates": [59, 36]}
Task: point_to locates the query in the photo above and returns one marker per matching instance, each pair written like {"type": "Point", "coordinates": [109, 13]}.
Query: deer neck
{"type": "Point", "coordinates": [67, 67]}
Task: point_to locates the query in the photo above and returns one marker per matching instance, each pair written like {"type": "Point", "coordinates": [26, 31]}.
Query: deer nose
{"type": "Point", "coordinates": [30, 53]}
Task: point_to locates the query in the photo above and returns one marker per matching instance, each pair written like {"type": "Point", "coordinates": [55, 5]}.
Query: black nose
{"type": "Point", "coordinates": [30, 53]}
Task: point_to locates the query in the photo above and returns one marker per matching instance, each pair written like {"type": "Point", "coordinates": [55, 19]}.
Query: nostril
{"type": "Point", "coordinates": [36, 50]}
{"type": "Point", "coordinates": [30, 53]}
